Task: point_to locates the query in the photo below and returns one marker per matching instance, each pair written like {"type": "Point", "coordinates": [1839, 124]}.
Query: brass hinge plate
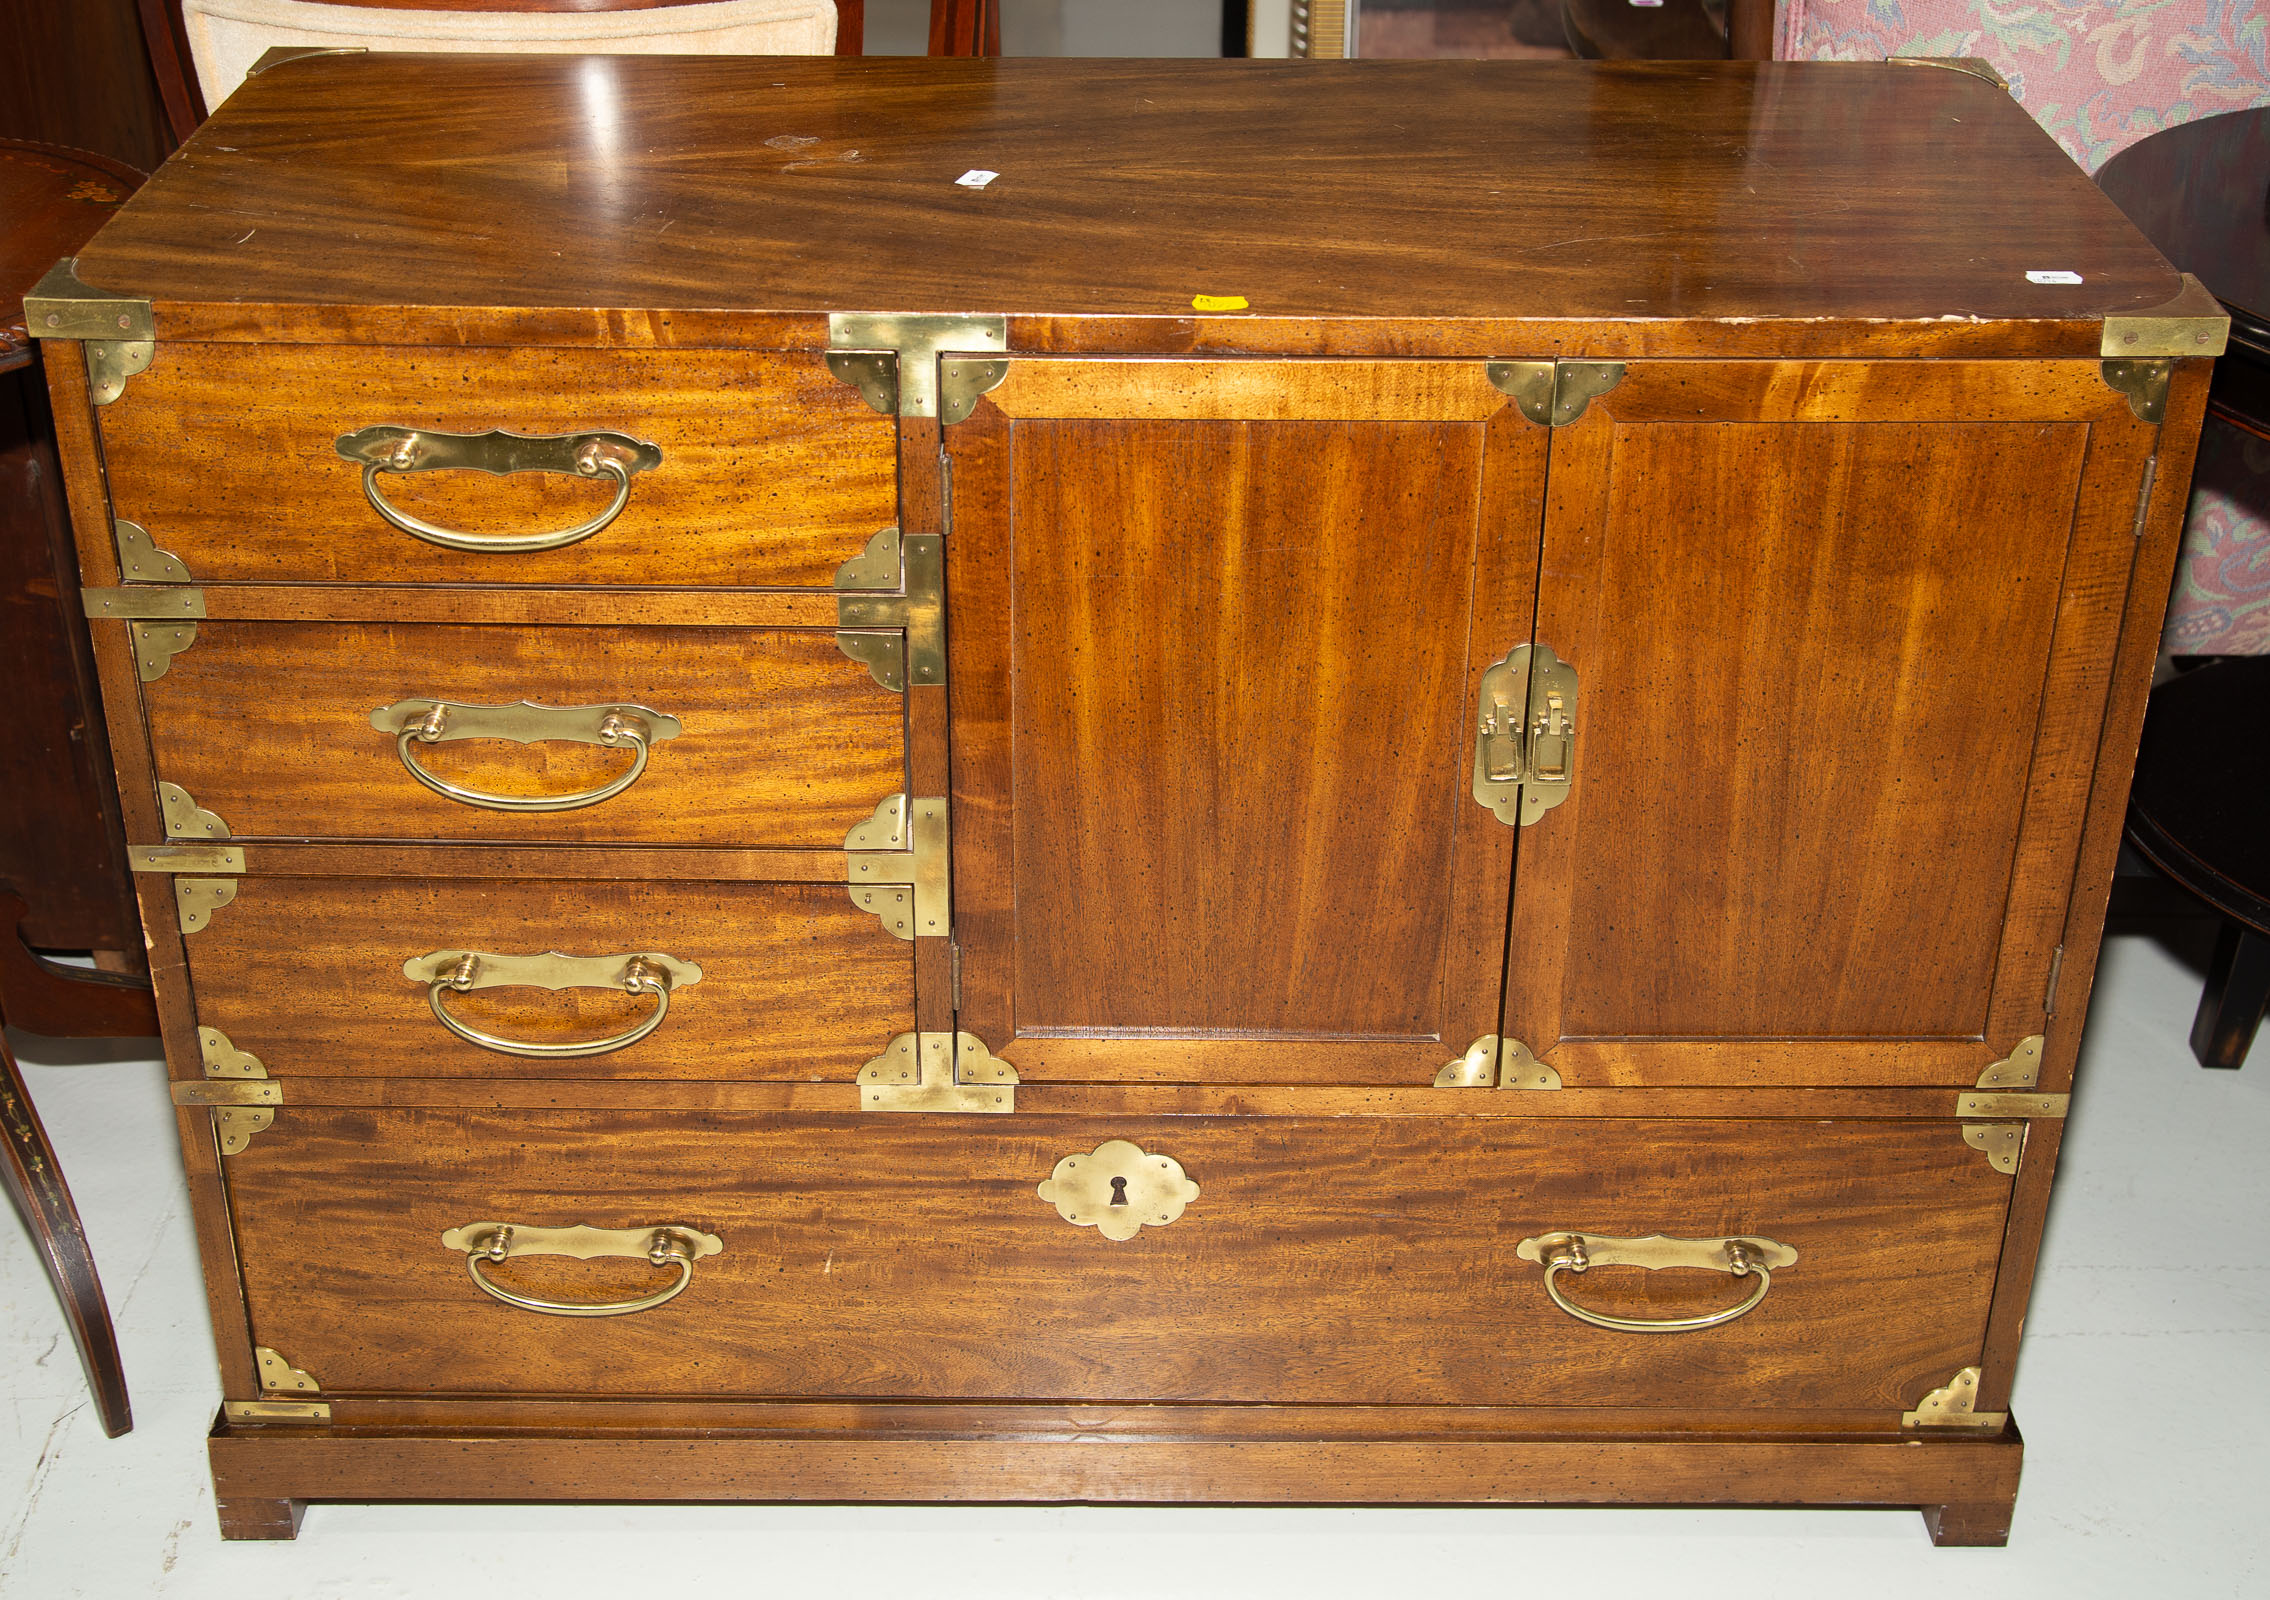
{"type": "Point", "coordinates": [143, 603]}
{"type": "Point", "coordinates": [117, 330]}
{"type": "Point", "coordinates": [899, 637]}
{"type": "Point", "coordinates": [951, 1072]}
{"type": "Point", "coordinates": [276, 1410]}
{"type": "Point", "coordinates": [185, 818]}
{"type": "Point", "coordinates": [1525, 734]}
{"type": "Point", "coordinates": [1554, 394]}
{"type": "Point", "coordinates": [185, 858]}
{"type": "Point", "coordinates": [1950, 1407]}
{"type": "Point", "coordinates": [900, 868]}
{"type": "Point", "coordinates": [893, 360]}
{"type": "Point", "coordinates": [1490, 1062]}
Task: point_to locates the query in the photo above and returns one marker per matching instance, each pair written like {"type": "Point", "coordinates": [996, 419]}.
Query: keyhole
{"type": "Point", "coordinates": [1119, 1191]}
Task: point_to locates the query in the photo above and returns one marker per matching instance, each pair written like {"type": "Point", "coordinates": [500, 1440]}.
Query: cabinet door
{"type": "Point", "coordinates": [1215, 630]}
{"type": "Point", "coordinates": [1843, 632]}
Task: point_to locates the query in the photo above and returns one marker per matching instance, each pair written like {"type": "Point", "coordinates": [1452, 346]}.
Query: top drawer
{"type": "Point", "coordinates": [771, 473]}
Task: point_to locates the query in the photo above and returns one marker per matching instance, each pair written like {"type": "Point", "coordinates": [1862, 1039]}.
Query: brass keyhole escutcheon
{"type": "Point", "coordinates": [1118, 1189]}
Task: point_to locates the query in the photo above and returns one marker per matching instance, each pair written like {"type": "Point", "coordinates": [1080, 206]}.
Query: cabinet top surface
{"type": "Point", "coordinates": [1410, 191]}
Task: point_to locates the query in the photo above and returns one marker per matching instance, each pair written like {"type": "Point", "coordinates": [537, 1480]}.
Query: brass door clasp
{"type": "Point", "coordinates": [1525, 734]}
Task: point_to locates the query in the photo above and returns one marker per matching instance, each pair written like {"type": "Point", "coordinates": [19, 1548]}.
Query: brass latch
{"type": "Point", "coordinates": [1525, 734]}
{"type": "Point", "coordinates": [937, 1072]}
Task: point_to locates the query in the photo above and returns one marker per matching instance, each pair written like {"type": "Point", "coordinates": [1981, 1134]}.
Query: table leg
{"type": "Point", "coordinates": [35, 1184]}
{"type": "Point", "coordinates": [2237, 992]}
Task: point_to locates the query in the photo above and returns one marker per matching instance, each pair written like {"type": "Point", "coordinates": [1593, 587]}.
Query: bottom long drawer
{"type": "Point", "coordinates": [1349, 1259]}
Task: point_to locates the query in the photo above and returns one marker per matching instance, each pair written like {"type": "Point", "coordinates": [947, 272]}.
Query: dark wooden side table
{"type": "Point", "coordinates": [2198, 812]}
{"type": "Point", "coordinates": [63, 878]}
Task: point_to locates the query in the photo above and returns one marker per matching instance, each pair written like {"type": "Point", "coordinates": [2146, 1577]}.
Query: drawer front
{"type": "Point", "coordinates": [1359, 1259]}
{"type": "Point", "coordinates": [770, 472]}
{"type": "Point", "coordinates": [781, 740]}
{"type": "Point", "coordinates": [795, 983]}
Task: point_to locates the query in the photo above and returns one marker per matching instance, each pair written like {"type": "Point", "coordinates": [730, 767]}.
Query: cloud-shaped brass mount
{"type": "Point", "coordinates": [1118, 1189]}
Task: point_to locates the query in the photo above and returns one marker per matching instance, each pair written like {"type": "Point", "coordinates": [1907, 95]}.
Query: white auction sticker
{"type": "Point", "coordinates": [2053, 277]}
{"type": "Point", "coordinates": [978, 178]}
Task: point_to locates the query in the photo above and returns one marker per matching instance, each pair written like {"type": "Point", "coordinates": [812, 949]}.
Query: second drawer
{"type": "Point", "coordinates": [773, 736]}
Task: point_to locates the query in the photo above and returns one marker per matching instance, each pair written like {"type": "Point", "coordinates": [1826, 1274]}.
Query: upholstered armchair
{"type": "Point", "coordinates": [2100, 75]}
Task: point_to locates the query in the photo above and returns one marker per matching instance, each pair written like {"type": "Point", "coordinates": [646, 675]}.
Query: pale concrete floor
{"type": "Point", "coordinates": [2142, 1392]}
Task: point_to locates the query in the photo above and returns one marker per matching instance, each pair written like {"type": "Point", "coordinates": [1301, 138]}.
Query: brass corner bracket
{"type": "Point", "coordinates": [185, 818]}
{"type": "Point", "coordinates": [236, 1088]}
{"type": "Point", "coordinates": [2020, 1069]}
{"type": "Point", "coordinates": [2003, 1143]}
{"type": "Point", "coordinates": [1951, 1407]}
{"type": "Point", "coordinates": [1977, 66]}
{"type": "Point", "coordinates": [196, 899]}
{"type": "Point", "coordinates": [900, 868]}
{"type": "Point", "coordinates": [118, 331]}
{"type": "Point", "coordinates": [893, 360]}
{"type": "Point", "coordinates": [276, 1410]}
{"type": "Point", "coordinates": [937, 1072]}
{"type": "Point", "coordinates": [278, 1376]}
{"type": "Point", "coordinates": [2194, 323]}
{"type": "Point", "coordinates": [141, 561]}
{"type": "Point", "coordinates": [1554, 394]}
{"type": "Point", "coordinates": [2000, 1091]}
{"type": "Point", "coordinates": [1490, 1062]}
{"type": "Point", "coordinates": [161, 622]}
{"type": "Point", "coordinates": [891, 609]}
{"type": "Point", "coordinates": [199, 858]}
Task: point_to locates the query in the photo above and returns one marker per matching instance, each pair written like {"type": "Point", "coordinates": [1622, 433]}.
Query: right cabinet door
{"type": "Point", "coordinates": [1843, 632]}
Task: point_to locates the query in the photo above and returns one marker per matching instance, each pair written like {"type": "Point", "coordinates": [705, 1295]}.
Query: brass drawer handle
{"type": "Point", "coordinates": [667, 1246]}
{"type": "Point", "coordinates": [1579, 1252]}
{"type": "Point", "coordinates": [416, 722]}
{"type": "Point", "coordinates": [585, 455]}
{"type": "Point", "coordinates": [446, 972]}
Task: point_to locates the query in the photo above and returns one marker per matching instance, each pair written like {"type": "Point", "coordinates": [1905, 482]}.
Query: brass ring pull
{"type": "Point", "coordinates": [583, 455]}
{"type": "Point", "coordinates": [666, 1246]}
{"type": "Point", "coordinates": [417, 722]}
{"type": "Point", "coordinates": [446, 972]}
{"type": "Point", "coordinates": [1579, 1252]}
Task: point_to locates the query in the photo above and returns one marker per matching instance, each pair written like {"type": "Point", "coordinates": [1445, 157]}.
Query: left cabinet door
{"type": "Point", "coordinates": [1215, 632]}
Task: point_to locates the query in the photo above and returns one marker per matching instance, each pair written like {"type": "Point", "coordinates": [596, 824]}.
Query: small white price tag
{"type": "Point", "coordinates": [2053, 277]}
{"type": "Point", "coordinates": [978, 178]}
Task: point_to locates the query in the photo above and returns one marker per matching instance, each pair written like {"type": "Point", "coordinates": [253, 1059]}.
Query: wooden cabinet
{"type": "Point", "coordinates": [1420, 826]}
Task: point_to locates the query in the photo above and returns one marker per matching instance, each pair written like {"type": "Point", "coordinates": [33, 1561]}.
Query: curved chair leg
{"type": "Point", "coordinates": [35, 1184]}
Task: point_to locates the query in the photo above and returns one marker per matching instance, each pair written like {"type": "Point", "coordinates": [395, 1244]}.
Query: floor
{"type": "Point", "coordinates": [2144, 1393]}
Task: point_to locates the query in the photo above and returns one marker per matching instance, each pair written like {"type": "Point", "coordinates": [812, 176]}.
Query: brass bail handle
{"type": "Point", "coordinates": [614, 731]}
{"type": "Point", "coordinates": [668, 1246]}
{"type": "Point", "coordinates": [1577, 1253]}
{"type": "Point", "coordinates": [583, 455]}
{"type": "Point", "coordinates": [638, 975]}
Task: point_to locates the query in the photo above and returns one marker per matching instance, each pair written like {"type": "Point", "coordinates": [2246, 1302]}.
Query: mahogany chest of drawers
{"type": "Point", "coordinates": [1372, 783]}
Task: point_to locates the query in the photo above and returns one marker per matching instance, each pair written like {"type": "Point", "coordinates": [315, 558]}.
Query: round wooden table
{"type": "Point", "coordinates": [62, 857]}
{"type": "Point", "coordinates": [2199, 192]}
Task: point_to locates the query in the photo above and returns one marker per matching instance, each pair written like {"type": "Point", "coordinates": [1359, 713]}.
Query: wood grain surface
{"type": "Point", "coordinates": [884, 1256]}
{"type": "Point", "coordinates": [787, 742]}
{"type": "Point", "coordinates": [797, 983]}
{"type": "Point", "coordinates": [1842, 637]}
{"type": "Point", "coordinates": [1363, 189]}
{"type": "Point", "coordinates": [772, 472]}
